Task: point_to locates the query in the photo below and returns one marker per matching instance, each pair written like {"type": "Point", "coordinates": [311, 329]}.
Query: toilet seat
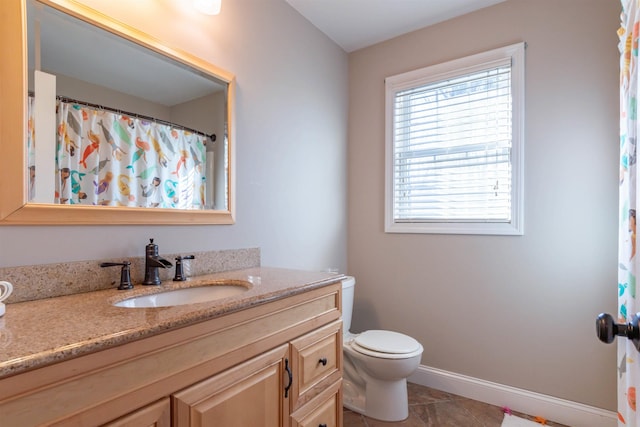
{"type": "Point", "coordinates": [386, 345]}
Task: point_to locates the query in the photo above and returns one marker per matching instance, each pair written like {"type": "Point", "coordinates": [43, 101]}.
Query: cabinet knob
{"type": "Point", "coordinates": [323, 361]}
{"type": "Point", "coordinates": [322, 425]}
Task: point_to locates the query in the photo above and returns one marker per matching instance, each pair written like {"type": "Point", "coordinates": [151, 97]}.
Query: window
{"type": "Point", "coordinates": [454, 146]}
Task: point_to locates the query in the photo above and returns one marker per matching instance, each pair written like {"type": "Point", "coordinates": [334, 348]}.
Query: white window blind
{"type": "Point", "coordinates": [452, 149]}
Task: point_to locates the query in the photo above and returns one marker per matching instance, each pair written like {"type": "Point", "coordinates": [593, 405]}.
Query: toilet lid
{"type": "Point", "coordinates": [387, 342]}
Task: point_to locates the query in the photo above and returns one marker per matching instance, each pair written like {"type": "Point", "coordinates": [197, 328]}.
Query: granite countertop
{"type": "Point", "coordinates": [41, 332]}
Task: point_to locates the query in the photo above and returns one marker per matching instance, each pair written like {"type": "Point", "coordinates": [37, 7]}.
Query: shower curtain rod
{"type": "Point", "coordinates": [212, 136]}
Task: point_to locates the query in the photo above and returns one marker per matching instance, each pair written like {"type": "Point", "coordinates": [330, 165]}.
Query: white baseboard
{"type": "Point", "coordinates": [559, 410]}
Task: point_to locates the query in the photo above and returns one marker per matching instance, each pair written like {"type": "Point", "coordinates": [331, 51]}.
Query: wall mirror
{"type": "Point", "coordinates": [107, 125]}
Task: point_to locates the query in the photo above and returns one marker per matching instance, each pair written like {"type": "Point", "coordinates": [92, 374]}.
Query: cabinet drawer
{"type": "Point", "coordinates": [317, 362]}
{"type": "Point", "coordinates": [324, 410]}
{"type": "Point", "coordinates": [157, 414]}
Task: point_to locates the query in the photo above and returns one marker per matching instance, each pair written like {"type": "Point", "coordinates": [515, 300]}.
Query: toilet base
{"type": "Point", "coordinates": [351, 399]}
{"type": "Point", "coordinates": [380, 400]}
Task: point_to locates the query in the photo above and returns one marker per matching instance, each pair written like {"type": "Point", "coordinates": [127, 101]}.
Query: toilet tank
{"type": "Point", "coordinates": [348, 288]}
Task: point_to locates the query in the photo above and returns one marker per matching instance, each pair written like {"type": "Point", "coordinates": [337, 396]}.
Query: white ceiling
{"type": "Point", "coordinates": [354, 24]}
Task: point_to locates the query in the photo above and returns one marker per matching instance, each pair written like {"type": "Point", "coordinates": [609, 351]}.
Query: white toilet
{"type": "Point", "coordinates": [376, 366]}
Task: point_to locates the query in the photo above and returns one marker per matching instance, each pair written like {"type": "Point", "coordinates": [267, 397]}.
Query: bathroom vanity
{"type": "Point", "coordinates": [271, 356]}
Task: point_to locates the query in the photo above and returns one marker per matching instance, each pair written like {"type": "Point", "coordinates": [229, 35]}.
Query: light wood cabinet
{"type": "Point", "coordinates": [302, 377]}
{"type": "Point", "coordinates": [274, 364]}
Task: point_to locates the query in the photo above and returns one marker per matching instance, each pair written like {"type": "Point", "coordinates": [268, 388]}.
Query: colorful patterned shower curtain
{"type": "Point", "coordinates": [628, 356]}
{"type": "Point", "coordinates": [112, 159]}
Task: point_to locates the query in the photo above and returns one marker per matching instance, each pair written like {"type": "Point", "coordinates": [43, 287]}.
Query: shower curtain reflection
{"type": "Point", "coordinates": [111, 158]}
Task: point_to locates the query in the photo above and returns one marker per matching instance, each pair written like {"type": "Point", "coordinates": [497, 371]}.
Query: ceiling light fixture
{"type": "Point", "coordinates": [209, 7]}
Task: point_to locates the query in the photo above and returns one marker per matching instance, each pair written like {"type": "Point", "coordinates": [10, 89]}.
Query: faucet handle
{"type": "Point", "coordinates": [180, 276]}
{"type": "Point", "coordinates": [125, 273]}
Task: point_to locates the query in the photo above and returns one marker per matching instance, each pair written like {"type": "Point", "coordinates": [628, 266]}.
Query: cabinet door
{"type": "Point", "coordinates": [155, 415]}
{"type": "Point", "coordinates": [250, 394]}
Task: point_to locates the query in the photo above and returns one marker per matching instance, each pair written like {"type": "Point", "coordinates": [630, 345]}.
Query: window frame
{"type": "Point", "coordinates": [444, 71]}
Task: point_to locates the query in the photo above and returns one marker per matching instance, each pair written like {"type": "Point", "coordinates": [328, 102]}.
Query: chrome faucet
{"type": "Point", "coordinates": [152, 262]}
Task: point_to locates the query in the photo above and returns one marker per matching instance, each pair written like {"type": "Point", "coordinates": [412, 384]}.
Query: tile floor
{"type": "Point", "coordinates": [433, 408]}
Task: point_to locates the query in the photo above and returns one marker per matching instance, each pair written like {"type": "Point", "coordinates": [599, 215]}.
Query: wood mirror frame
{"type": "Point", "coordinates": [14, 208]}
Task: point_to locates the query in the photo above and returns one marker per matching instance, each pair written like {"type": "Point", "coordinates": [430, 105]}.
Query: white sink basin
{"type": "Point", "coordinates": [183, 296]}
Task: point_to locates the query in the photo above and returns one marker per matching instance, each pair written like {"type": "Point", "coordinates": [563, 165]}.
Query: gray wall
{"type": "Point", "coordinates": [291, 142]}
{"type": "Point", "coordinates": [517, 310]}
